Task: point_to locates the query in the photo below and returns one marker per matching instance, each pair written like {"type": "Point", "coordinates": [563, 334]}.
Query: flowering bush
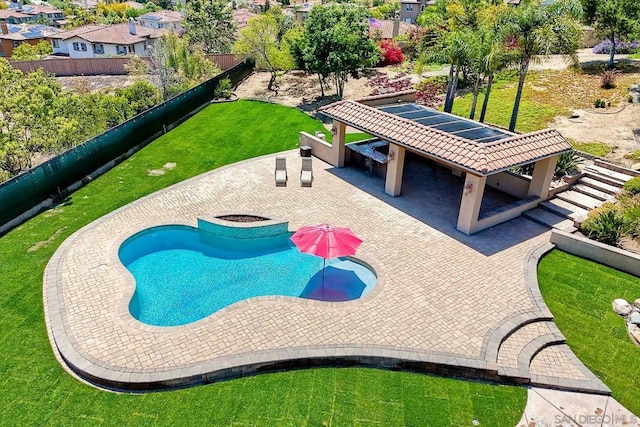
{"type": "Point", "coordinates": [391, 53]}
{"type": "Point", "coordinates": [621, 47]}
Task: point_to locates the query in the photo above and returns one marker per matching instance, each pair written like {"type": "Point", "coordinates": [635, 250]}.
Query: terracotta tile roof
{"type": "Point", "coordinates": [111, 34]}
{"type": "Point", "coordinates": [78, 31]}
{"type": "Point", "coordinates": [9, 13]}
{"type": "Point", "coordinates": [477, 157]}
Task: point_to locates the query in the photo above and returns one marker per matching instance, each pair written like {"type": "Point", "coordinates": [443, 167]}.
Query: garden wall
{"type": "Point", "coordinates": [27, 194]}
{"type": "Point", "coordinates": [599, 252]}
{"type": "Point", "coordinates": [100, 66]}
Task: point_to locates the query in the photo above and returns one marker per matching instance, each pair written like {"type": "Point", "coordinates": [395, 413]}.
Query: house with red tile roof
{"type": "Point", "coordinates": [97, 41]}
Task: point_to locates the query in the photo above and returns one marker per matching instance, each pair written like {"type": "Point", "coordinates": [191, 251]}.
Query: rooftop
{"type": "Point", "coordinates": [28, 31]}
{"type": "Point", "coordinates": [163, 16]}
{"type": "Point", "coordinates": [462, 143]}
{"type": "Point", "coordinates": [111, 34]}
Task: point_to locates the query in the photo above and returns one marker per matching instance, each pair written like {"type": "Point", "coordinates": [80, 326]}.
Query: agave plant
{"type": "Point", "coordinates": [567, 162]}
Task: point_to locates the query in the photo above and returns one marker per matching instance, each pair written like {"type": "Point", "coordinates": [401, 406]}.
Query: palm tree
{"type": "Point", "coordinates": [535, 31]}
{"type": "Point", "coordinates": [453, 48]}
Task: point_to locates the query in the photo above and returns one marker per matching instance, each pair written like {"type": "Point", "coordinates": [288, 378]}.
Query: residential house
{"type": "Point", "coordinates": [411, 9]}
{"type": "Point", "coordinates": [302, 11]}
{"type": "Point", "coordinates": [387, 29]}
{"type": "Point", "coordinates": [24, 33]}
{"type": "Point", "coordinates": [259, 6]}
{"type": "Point", "coordinates": [98, 41]}
{"type": "Point", "coordinates": [163, 19]}
{"type": "Point", "coordinates": [12, 16]}
{"type": "Point", "coordinates": [30, 14]}
{"type": "Point", "coordinates": [87, 4]}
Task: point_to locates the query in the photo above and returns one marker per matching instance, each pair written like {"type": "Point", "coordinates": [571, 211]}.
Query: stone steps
{"type": "Point", "coordinates": [599, 185]}
{"type": "Point", "coordinates": [579, 199]}
{"type": "Point", "coordinates": [592, 192]}
{"type": "Point", "coordinates": [550, 219]}
{"type": "Point", "coordinates": [564, 209]}
{"type": "Point", "coordinates": [607, 176]}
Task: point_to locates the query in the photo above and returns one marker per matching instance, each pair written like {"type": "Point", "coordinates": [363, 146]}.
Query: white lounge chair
{"type": "Point", "coordinates": [281, 171]}
{"type": "Point", "coordinates": [306, 174]}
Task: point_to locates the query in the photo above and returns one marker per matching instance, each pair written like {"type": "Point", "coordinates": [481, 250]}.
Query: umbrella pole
{"type": "Point", "coordinates": [324, 260]}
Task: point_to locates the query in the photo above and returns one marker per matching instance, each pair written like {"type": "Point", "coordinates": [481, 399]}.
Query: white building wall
{"type": "Point", "coordinates": [78, 54]}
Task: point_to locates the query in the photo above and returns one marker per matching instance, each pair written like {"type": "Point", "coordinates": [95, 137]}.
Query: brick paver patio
{"type": "Point", "coordinates": [444, 298]}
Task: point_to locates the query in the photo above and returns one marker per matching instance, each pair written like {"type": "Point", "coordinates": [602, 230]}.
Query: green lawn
{"type": "Point", "coordinates": [36, 391]}
{"type": "Point", "coordinates": [579, 294]}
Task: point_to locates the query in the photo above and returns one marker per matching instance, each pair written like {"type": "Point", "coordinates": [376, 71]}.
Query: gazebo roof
{"type": "Point", "coordinates": [468, 145]}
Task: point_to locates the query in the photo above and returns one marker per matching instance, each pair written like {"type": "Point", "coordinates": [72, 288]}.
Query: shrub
{"type": "Point", "coordinates": [599, 103]}
{"type": "Point", "coordinates": [621, 47]}
{"type": "Point", "coordinates": [391, 53]}
{"type": "Point", "coordinates": [634, 155]}
{"type": "Point", "coordinates": [608, 79]}
{"type": "Point", "coordinates": [632, 187]}
{"type": "Point", "coordinates": [567, 163]}
{"type": "Point", "coordinates": [630, 208]}
{"type": "Point", "coordinates": [223, 90]}
{"type": "Point", "coordinates": [605, 224]}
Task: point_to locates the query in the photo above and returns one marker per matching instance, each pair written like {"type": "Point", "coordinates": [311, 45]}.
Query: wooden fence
{"type": "Point", "coordinates": [99, 66]}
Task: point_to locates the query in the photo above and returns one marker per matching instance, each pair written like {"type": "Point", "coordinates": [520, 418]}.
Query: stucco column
{"type": "Point", "coordinates": [472, 193]}
{"type": "Point", "coordinates": [542, 176]}
{"type": "Point", "coordinates": [395, 167]}
{"type": "Point", "coordinates": [339, 131]}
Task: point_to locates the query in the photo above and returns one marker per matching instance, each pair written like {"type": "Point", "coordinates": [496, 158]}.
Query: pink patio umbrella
{"type": "Point", "coordinates": [326, 241]}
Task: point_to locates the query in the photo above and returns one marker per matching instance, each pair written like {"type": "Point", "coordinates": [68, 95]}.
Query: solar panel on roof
{"type": "Point", "coordinates": [445, 122]}
{"type": "Point", "coordinates": [417, 114]}
{"type": "Point", "coordinates": [430, 121]}
{"type": "Point", "coordinates": [403, 108]}
{"type": "Point", "coordinates": [481, 133]}
{"type": "Point", "coordinates": [453, 127]}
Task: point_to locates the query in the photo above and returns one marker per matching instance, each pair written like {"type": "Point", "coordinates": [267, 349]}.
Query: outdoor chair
{"type": "Point", "coordinates": [306, 174]}
{"type": "Point", "coordinates": [281, 171]}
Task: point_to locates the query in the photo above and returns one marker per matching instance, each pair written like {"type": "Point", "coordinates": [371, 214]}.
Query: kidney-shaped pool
{"type": "Point", "coordinates": [184, 274]}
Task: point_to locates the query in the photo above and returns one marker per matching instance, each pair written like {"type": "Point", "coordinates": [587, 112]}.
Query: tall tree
{"type": "Point", "coordinates": [173, 65]}
{"type": "Point", "coordinates": [337, 44]}
{"type": "Point", "coordinates": [209, 23]}
{"type": "Point", "coordinates": [263, 39]}
{"type": "Point", "coordinates": [613, 19]}
{"type": "Point", "coordinates": [535, 30]}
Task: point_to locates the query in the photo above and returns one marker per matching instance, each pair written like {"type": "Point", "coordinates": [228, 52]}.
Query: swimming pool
{"type": "Point", "coordinates": [184, 274]}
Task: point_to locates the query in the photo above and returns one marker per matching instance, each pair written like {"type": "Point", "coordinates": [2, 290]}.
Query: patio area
{"type": "Point", "coordinates": [446, 301]}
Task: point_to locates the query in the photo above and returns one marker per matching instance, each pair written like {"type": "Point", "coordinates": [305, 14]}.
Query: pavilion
{"type": "Point", "coordinates": [484, 154]}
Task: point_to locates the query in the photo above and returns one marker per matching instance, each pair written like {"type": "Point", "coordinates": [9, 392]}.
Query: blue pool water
{"type": "Point", "coordinates": [184, 274]}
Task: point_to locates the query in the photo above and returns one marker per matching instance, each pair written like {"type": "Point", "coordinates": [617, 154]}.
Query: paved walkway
{"type": "Point", "coordinates": [556, 408]}
{"type": "Point", "coordinates": [444, 300]}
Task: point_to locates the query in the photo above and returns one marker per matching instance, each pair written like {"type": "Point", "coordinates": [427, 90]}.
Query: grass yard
{"type": "Point", "coordinates": [36, 390]}
{"type": "Point", "coordinates": [548, 94]}
{"type": "Point", "coordinates": [579, 294]}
